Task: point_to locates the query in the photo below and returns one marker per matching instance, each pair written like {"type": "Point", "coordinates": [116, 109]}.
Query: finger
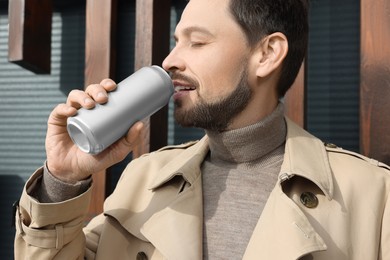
{"type": "Point", "coordinates": [132, 135]}
{"type": "Point", "coordinates": [108, 84]}
{"type": "Point", "coordinates": [78, 98]}
{"type": "Point", "coordinates": [60, 113]}
{"type": "Point", "coordinates": [97, 92]}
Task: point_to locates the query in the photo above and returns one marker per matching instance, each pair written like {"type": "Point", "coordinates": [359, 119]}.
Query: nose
{"type": "Point", "coordinates": [173, 62]}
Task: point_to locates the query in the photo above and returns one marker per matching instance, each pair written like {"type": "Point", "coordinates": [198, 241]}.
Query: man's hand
{"type": "Point", "coordinates": [64, 159]}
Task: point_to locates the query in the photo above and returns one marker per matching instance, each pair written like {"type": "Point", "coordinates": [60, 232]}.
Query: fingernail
{"type": "Point", "coordinates": [102, 95]}
{"type": "Point", "coordinates": [106, 83]}
{"type": "Point", "coordinates": [88, 101]}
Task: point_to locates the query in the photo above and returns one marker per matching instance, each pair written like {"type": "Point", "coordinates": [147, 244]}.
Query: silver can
{"type": "Point", "coordinates": [138, 96]}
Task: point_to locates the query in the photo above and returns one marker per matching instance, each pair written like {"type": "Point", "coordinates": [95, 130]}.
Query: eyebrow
{"type": "Point", "coordinates": [191, 29]}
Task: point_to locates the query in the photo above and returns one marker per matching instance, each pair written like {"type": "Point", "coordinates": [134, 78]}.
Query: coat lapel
{"type": "Point", "coordinates": [176, 231]}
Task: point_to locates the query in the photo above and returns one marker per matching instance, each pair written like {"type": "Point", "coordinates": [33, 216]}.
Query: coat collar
{"type": "Point", "coordinates": [305, 155]}
{"type": "Point", "coordinates": [187, 164]}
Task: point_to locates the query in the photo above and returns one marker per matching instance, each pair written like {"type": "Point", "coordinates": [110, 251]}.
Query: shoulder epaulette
{"type": "Point", "coordinates": [334, 148]}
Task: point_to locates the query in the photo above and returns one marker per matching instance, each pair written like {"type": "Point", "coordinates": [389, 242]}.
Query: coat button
{"type": "Point", "coordinates": [309, 200]}
{"type": "Point", "coordinates": [142, 256]}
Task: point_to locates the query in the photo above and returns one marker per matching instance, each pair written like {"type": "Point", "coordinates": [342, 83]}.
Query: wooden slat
{"type": "Point", "coordinates": [375, 80]}
{"type": "Point", "coordinates": [29, 42]}
{"type": "Point", "coordinates": [295, 99]}
{"type": "Point", "coordinates": [151, 47]}
{"type": "Point", "coordinates": [100, 40]}
{"type": "Point", "coordinates": [99, 64]}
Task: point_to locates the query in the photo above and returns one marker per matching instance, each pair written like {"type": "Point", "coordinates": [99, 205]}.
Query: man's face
{"type": "Point", "coordinates": [209, 66]}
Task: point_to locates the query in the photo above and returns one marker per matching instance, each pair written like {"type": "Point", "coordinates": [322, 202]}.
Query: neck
{"type": "Point", "coordinates": [254, 113]}
{"type": "Point", "coordinates": [251, 142]}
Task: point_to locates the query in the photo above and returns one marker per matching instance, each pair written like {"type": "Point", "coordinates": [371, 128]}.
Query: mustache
{"type": "Point", "coordinates": [182, 77]}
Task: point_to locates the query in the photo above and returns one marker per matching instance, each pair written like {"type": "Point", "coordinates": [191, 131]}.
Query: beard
{"type": "Point", "coordinates": [217, 115]}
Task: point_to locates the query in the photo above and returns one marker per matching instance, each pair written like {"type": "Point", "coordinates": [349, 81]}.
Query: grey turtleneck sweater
{"type": "Point", "coordinates": [238, 175]}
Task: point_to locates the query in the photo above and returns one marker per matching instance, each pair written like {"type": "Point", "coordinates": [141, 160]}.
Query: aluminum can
{"type": "Point", "coordinates": [138, 96]}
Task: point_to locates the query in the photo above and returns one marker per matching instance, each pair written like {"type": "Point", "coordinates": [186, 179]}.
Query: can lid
{"type": "Point", "coordinates": [165, 77]}
{"type": "Point", "coordinates": [82, 137]}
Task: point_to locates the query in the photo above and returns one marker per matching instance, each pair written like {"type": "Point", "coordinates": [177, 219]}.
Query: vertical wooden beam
{"type": "Point", "coordinates": [99, 64]}
{"type": "Point", "coordinates": [375, 80]}
{"type": "Point", "coordinates": [295, 99]}
{"type": "Point", "coordinates": [29, 43]}
{"type": "Point", "coordinates": [100, 55]}
{"type": "Point", "coordinates": [151, 47]}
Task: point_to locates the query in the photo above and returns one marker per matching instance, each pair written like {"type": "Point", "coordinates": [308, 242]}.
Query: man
{"type": "Point", "coordinates": [255, 187]}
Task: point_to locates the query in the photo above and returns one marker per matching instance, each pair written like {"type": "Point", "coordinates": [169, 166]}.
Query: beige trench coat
{"type": "Point", "coordinates": [156, 210]}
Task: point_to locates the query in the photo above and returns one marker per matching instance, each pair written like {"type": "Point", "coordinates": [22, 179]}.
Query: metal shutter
{"type": "Point", "coordinates": [333, 72]}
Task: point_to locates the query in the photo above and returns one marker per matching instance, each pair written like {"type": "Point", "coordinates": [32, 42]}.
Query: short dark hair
{"type": "Point", "coordinates": [259, 18]}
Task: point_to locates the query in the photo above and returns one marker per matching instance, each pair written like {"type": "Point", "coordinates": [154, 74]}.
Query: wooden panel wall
{"type": "Point", "coordinates": [375, 79]}
{"type": "Point", "coordinates": [295, 99]}
{"type": "Point", "coordinates": [100, 55]}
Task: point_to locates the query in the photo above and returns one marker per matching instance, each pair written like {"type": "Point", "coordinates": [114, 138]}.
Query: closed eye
{"type": "Point", "coordinates": [197, 44]}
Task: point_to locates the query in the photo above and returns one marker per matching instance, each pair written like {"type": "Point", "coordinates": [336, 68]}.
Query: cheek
{"type": "Point", "coordinates": [217, 69]}
{"type": "Point", "coordinates": [220, 77]}
{"type": "Point", "coordinates": [214, 84]}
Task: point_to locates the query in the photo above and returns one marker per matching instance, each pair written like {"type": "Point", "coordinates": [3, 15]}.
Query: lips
{"type": "Point", "coordinates": [182, 89]}
{"type": "Point", "coordinates": [183, 85]}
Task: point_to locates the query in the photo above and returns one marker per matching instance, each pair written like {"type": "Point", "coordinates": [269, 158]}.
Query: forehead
{"type": "Point", "coordinates": [211, 14]}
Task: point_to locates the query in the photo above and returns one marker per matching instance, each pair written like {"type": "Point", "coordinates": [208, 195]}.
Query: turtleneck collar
{"type": "Point", "coordinates": [251, 142]}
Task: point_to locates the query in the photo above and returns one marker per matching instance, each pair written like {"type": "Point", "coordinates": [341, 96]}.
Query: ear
{"type": "Point", "coordinates": [270, 54]}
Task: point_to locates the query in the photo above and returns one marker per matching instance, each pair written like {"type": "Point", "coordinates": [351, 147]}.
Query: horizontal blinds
{"type": "Point", "coordinates": [333, 72]}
